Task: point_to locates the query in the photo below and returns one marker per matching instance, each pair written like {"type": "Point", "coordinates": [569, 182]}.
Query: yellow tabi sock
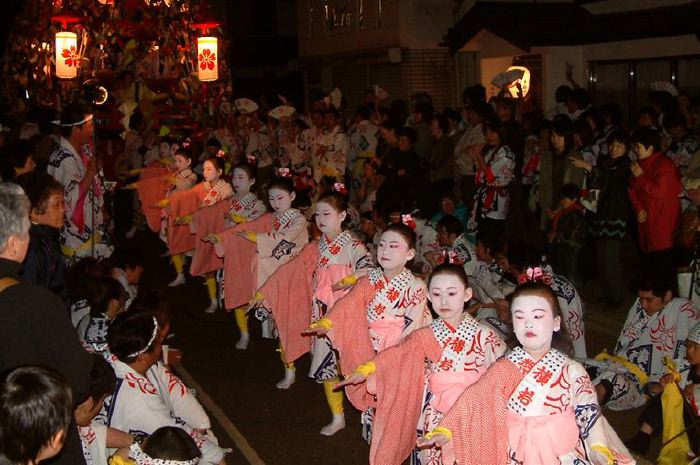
{"type": "Point", "coordinates": [211, 288]}
{"type": "Point", "coordinates": [179, 264]}
{"type": "Point", "coordinates": [241, 318]}
{"type": "Point", "coordinates": [334, 398]}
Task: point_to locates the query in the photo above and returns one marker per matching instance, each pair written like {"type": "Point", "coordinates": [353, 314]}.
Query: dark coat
{"type": "Point", "coordinates": [44, 264]}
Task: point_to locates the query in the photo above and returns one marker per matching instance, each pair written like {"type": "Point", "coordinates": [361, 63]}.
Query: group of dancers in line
{"type": "Point", "coordinates": [438, 390]}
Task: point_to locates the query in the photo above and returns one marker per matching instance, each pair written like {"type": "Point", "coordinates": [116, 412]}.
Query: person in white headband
{"type": "Point", "coordinates": [148, 396]}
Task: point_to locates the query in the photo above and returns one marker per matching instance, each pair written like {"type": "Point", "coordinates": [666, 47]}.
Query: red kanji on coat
{"type": "Point", "coordinates": [525, 396]}
{"type": "Point", "coordinates": [543, 375]}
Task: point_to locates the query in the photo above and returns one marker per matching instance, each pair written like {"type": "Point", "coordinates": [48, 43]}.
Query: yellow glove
{"type": "Point", "coordinates": [366, 369]}
{"type": "Point", "coordinates": [187, 219]}
{"type": "Point", "coordinates": [252, 237]}
{"type": "Point", "coordinates": [131, 186]}
{"type": "Point", "coordinates": [348, 280]}
{"type": "Point", "coordinates": [237, 218]}
{"type": "Point", "coordinates": [134, 172]}
{"type": "Point", "coordinates": [117, 460]}
{"type": "Point", "coordinates": [323, 323]}
{"type": "Point", "coordinates": [606, 453]}
{"type": "Point", "coordinates": [163, 203]}
{"type": "Point", "coordinates": [440, 430]}
{"type": "Point", "coordinates": [258, 298]}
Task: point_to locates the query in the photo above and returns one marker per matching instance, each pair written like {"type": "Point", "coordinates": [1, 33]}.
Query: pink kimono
{"type": "Point", "coordinates": [151, 188]}
{"type": "Point", "coordinates": [530, 412]}
{"type": "Point", "coordinates": [300, 292]}
{"type": "Point", "coordinates": [247, 265]}
{"type": "Point", "coordinates": [207, 220]}
{"type": "Point", "coordinates": [375, 315]}
{"type": "Point", "coordinates": [180, 239]}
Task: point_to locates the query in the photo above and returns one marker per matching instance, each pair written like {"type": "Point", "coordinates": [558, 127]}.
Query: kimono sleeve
{"type": "Point", "coordinates": [400, 382]}
{"type": "Point", "coordinates": [288, 295]}
{"type": "Point", "coordinates": [68, 174]}
{"type": "Point", "coordinates": [180, 399]}
{"type": "Point", "coordinates": [361, 258]}
{"type": "Point", "coordinates": [269, 241]}
{"type": "Point", "coordinates": [593, 428]}
{"type": "Point", "coordinates": [257, 211]}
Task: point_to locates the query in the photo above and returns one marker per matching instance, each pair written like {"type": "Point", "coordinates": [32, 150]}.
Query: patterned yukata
{"type": "Point", "coordinates": [467, 351]}
{"type": "Point", "coordinates": [342, 257]}
{"type": "Point", "coordinates": [363, 146]}
{"type": "Point", "coordinates": [333, 160]}
{"type": "Point", "coordinates": [644, 342]}
{"type": "Point", "coordinates": [93, 439]}
{"type": "Point", "coordinates": [84, 225]}
{"type": "Point", "coordinates": [491, 198]}
{"type": "Point", "coordinates": [215, 192]}
{"type": "Point", "coordinates": [142, 404]}
{"type": "Point", "coordinates": [248, 207]}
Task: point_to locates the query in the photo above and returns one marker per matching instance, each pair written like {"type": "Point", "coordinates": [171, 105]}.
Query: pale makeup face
{"type": "Point", "coordinates": [210, 172]}
{"type": "Point", "coordinates": [54, 214]}
{"type": "Point", "coordinates": [182, 163]}
{"type": "Point", "coordinates": [448, 296]}
{"type": "Point", "coordinates": [534, 323]}
{"type": "Point", "coordinates": [280, 199]}
{"type": "Point", "coordinates": [328, 219]}
{"type": "Point", "coordinates": [393, 251]}
{"type": "Point", "coordinates": [241, 181]}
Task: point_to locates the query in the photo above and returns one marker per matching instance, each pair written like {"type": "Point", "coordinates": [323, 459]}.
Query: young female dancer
{"type": "Point", "coordinates": [380, 311]}
{"type": "Point", "coordinates": [254, 250]}
{"type": "Point", "coordinates": [536, 405]}
{"type": "Point", "coordinates": [458, 351]}
{"type": "Point", "coordinates": [303, 291]}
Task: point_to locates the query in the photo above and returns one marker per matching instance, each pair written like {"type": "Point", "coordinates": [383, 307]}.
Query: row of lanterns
{"type": "Point", "coordinates": [68, 55]}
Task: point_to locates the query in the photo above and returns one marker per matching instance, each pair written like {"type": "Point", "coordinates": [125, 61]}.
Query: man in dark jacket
{"type": "Point", "coordinates": [34, 326]}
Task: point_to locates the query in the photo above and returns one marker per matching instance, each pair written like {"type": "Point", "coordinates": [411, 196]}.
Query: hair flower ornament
{"type": "Point", "coordinates": [535, 275]}
{"type": "Point", "coordinates": [251, 160]}
{"type": "Point", "coordinates": [284, 173]}
{"type": "Point", "coordinates": [339, 187]}
{"type": "Point", "coordinates": [408, 220]}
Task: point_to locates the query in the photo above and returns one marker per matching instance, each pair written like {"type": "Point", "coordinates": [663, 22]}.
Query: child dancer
{"type": "Point", "coordinates": [303, 290]}
{"type": "Point", "coordinates": [183, 204]}
{"type": "Point", "coordinates": [254, 250]}
{"type": "Point", "coordinates": [458, 351]}
{"type": "Point", "coordinates": [380, 311]}
{"type": "Point", "coordinates": [245, 205]}
{"type": "Point", "coordinates": [535, 406]}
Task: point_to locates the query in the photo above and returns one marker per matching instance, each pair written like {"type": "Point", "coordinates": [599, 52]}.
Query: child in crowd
{"type": "Point", "coordinates": [306, 288]}
{"type": "Point", "coordinates": [458, 351]}
{"type": "Point", "coordinates": [453, 245]}
{"type": "Point", "coordinates": [536, 405]}
{"type": "Point", "coordinates": [127, 269]}
{"type": "Point", "coordinates": [379, 312]}
{"type": "Point", "coordinates": [95, 436]}
{"type": "Point", "coordinates": [27, 439]}
{"type": "Point", "coordinates": [168, 445]}
{"type": "Point", "coordinates": [254, 250]}
{"type": "Point", "coordinates": [567, 232]}
{"type": "Point", "coordinates": [106, 299]}
{"type": "Point", "coordinates": [488, 273]}
{"type": "Point", "coordinates": [148, 396]}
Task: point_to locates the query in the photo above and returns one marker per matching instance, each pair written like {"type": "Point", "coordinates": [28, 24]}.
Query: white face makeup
{"type": "Point", "coordinates": [181, 162]}
{"type": "Point", "coordinates": [241, 181]}
{"type": "Point", "coordinates": [393, 251]}
{"type": "Point", "coordinates": [328, 219]}
{"type": "Point", "coordinates": [210, 172]}
{"type": "Point", "coordinates": [534, 324]}
{"type": "Point", "coordinates": [448, 295]}
{"type": "Point", "coordinates": [280, 199]}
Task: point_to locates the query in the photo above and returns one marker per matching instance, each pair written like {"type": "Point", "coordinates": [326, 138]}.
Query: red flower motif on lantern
{"type": "Point", "coordinates": [71, 56]}
{"type": "Point", "coordinates": [207, 60]}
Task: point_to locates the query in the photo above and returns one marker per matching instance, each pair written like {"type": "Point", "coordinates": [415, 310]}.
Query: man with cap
{"type": "Point", "coordinates": [73, 164]}
{"type": "Point", "coordinates": [652, 419]}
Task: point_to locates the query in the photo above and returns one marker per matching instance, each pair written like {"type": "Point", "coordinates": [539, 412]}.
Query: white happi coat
{"type": "Point", "coordinates": [142, 404]}
{"type": "Point", "coordinates": [93, 439]}
{"type": "Point", "coordinates": [572, 313]}
{"type": "Point", "coordinates": [67, 167]}
{"type": "Point", "coordinates": [470, 349]}
{"type": "Point", "coordinates": [556, 385]}
{"type": "Point", "coordinates": [334, 158]}
{"type": "Point", "coordinates": [490, 277]}
{"type": "Point", "coordinates": [645, 341]}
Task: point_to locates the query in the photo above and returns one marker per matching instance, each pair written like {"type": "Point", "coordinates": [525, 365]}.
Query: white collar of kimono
{"type": "Point", "coordinates": [142, 458]}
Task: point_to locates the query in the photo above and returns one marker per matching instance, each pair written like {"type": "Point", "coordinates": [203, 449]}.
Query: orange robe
{"type": "Point", "coordinates": [151, 188]}
{"type": "Point", "coordinates": [207, 220]}
{"type": "Point", "coordinates": [180, 239]}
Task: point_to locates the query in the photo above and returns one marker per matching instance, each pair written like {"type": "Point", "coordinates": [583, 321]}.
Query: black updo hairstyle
{"type": "Point", "coordinates": [250, 169]}
{"type": "Point", "coordinates": [184, 152]}
{"type": "Point", "coordinates": [218, 163]}
{"type": "Point", "coordinates": [339, 202]}
{"type": "Point", "coordinates": [408, 234]}
{"type": "Point", "coordinates": [451, 269]}
{"type": "Point", "coordinates": [279, 182]}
